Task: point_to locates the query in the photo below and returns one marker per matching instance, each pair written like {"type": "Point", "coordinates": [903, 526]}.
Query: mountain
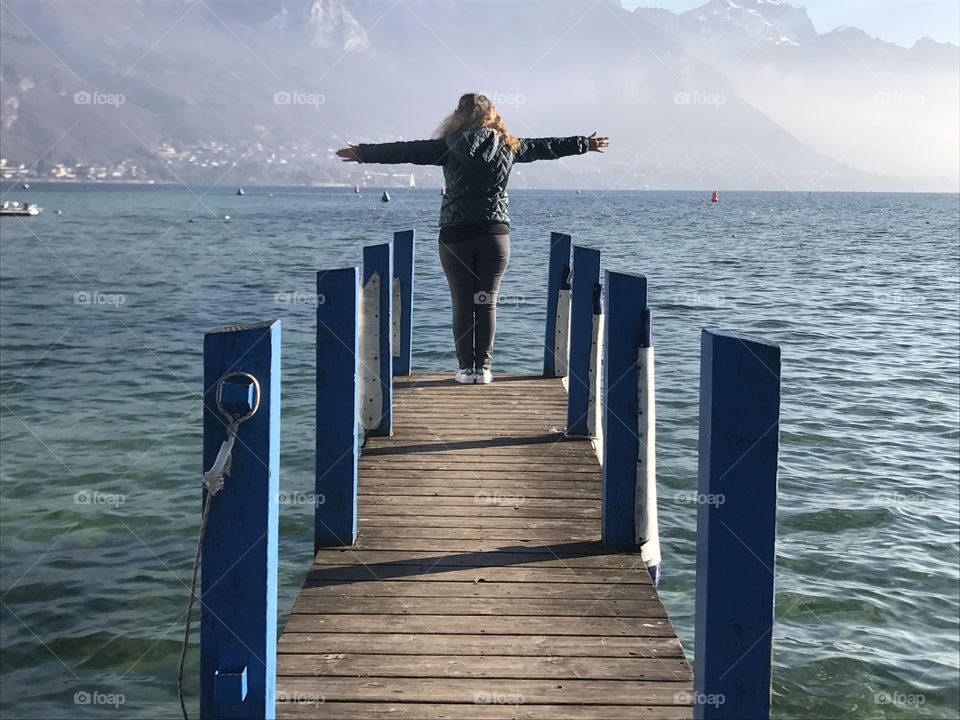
{"type": "Point", "coordinates": [732, 94]}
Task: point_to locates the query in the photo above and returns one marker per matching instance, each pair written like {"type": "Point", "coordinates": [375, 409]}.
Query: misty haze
{"type": "Point", "coordinates": [735, 95]}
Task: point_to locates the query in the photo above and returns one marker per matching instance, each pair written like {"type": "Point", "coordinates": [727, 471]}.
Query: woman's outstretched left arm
{"type": "Point", "coordinates": [416, 152]}
{"type": "Point", "coordinates": [553, 148]}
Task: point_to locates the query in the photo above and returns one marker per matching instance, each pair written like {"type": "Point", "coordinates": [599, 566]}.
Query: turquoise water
{"type": "Point", "coordinates": [101, 431]}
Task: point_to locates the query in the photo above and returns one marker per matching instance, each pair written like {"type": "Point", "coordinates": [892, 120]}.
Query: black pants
{"type": "Point", "coordinates": [474, 268]}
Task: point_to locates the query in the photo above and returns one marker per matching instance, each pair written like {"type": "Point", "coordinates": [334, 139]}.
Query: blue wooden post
{"type": "Point", "coordinates": [338, 399]}
{"type": "Point", "coordinates": [736, 525]}
{"type": "Point", "coordinates": [403, 256]}
{"type": "Point", "coordinates": [379, 259]}
{"type": "Point", "coordinates": [626, 302]}
{"type": "Point", "coordinates": [557, 279]}
{"type": "Point", "coordinates": [586, 275]}
{"type": "Point", "coordinates": [238, 623]}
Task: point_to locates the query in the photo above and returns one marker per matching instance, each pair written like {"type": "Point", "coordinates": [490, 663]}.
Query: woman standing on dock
{"type": "Point", "coordinates": [477, 153]}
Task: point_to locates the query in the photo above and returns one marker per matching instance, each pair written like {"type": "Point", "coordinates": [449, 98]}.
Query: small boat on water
{"type": "Point", "coordinates": [240, 191]}
{"type": "Point", "coordinates": [413, 182]}
{"type": "Point", "coordinates": [16, 209]}
{"type": "Point", "coordinates": [385, 197]}
{"type": "Point", "coordinates": [26, 186]}
{"type": "Point", "coordinates": [356, 188]}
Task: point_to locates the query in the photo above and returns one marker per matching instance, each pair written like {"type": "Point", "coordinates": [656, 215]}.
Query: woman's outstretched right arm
{"type": "Point", "coordinates": [415, 152]}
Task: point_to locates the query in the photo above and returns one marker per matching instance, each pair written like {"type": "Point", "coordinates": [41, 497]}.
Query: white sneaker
{"type": "Point", "coordinates": [465, 376]}
{"type": "Point", "coordinates": [483, 376]}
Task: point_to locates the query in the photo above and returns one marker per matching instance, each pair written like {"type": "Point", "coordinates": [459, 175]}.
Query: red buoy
{"type": "Point", "coordinates": [715, 197]}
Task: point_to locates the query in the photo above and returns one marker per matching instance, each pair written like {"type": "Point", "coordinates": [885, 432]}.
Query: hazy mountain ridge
{"type": "Point", "coordinates": [732, 94]}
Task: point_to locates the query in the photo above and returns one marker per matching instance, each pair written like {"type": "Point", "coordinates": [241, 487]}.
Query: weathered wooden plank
{"type": "Point", "coordinates": [494, 492]}
{"type": "Point", "coordinates": [474, 691]}
{"type": "Point", "coordinates": [479, 511]}
{"type": "Point", "coordinates": [467, 502]}
{"type": "Point", "coordinates": [348, 664]}
{"type": "Point", "coordinates": [512, 590]}
{"type": "Point", "coordinates": [496, 624]}
{"type": "Point", "coordinates": [534, 546]}
{"type": "Point", "coordinates": [576, 558]}
{"type": "Point", "coordinates": [525, 472]}
{"type": "Point", "coordinates": [589, 646]}
{"type": "Point", "coordinates": [426, 450]}
{"type": "Point", "coordinates": [295, 707]}
{"type": "Point", "coordinates": [321, 600]}
{"type": "Point", "coordinates": [463, 533]}
{"type": "Point", "coordinates": [355, 572]}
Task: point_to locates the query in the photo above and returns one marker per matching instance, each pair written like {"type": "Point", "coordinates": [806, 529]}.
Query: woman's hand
{"type": "Point", "coordinates": [594, 143]}
{"type": "Point", "coordinates": [349, 154]}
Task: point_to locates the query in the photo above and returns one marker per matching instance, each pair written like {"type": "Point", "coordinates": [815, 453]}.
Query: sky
{"type": "Point", "coordinates": [900, 21]}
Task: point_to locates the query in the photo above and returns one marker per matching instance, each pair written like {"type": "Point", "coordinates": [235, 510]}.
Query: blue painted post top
{"type": "Point", "coordinates": [558, 274]}
{"type": "Point", "coordinates": [404, 243]}
{"type": "Point", "coordinates": [736, 525]}
{"type": "Point", "coordinates": [337, 407]}
{"type": "Point", "coordinates": [626, 303]}
{"type": "Point", "coordinates": [586, 276]}
{"type": "Point", "coordinates": [238, 588]}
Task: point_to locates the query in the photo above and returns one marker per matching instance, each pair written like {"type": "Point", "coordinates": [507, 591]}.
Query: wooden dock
{"type": "Point", "coordinates": [478, 586]}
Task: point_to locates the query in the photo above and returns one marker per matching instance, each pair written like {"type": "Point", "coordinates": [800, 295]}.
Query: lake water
{"type": "Point", "coordinates": [102, 315]}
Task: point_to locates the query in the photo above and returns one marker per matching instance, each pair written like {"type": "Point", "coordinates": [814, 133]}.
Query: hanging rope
{"type": "Point", "coordinates": [213, 480]}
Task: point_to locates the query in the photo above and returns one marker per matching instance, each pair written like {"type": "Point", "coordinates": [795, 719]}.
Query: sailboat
{"type": "Point", "coordinates": [385, 197]}
{"type": "Point", "coordinates": [413, 183]}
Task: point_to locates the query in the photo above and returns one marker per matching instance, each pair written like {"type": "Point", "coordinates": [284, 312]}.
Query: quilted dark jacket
{"type": "Point", "coordinates": [476, 168]}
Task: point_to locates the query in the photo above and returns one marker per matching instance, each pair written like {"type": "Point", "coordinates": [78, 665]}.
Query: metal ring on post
{"type": "Point", "coordinates": [237, 420]}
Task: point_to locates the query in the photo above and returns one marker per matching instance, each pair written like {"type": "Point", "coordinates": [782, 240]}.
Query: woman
{"type": "Point", "coordinates": [477, 153]}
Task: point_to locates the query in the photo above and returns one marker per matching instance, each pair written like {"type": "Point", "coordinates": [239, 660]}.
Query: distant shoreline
{"type": "Point", "coordinates": [7, 185]}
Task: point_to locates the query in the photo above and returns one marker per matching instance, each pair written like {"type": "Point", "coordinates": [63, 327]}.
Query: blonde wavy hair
{"type": "Point", "coordinates": [476, 111]}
